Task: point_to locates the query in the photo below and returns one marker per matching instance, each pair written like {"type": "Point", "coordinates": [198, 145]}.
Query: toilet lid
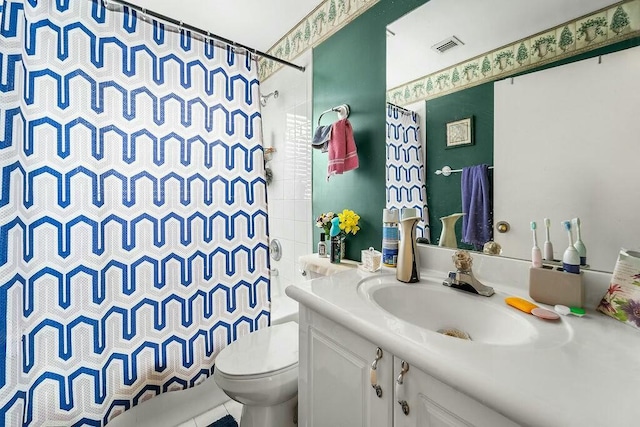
{"type": "Point", "coordinates": [266, 350]}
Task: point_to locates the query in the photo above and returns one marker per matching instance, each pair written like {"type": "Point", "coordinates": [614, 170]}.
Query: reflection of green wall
{"type": "Point", "coordinates": [350, 68]}
{"type": "Point", "coordinates": [443, 193]}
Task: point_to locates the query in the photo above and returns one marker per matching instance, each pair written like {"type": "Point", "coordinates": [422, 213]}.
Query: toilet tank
{"type": "Point", "coordinates": [313, 266]}
{"type": "Point", "coordinates": [285, 309]}
{"type": "Point", "coordinates": [309, 274]}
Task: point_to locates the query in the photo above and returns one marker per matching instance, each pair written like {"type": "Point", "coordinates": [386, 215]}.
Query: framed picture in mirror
{"type": "Point", "coordinates": [460, 133]}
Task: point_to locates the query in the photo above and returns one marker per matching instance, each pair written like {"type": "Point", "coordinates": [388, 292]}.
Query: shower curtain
{"type": "Point", "coordinates": [406, 187]}
{"type": "Point", "coordinates": [133, 224]}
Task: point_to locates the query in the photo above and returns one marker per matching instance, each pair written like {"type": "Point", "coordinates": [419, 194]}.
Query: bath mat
{"type": "Point", "coordinates": [226, 421]}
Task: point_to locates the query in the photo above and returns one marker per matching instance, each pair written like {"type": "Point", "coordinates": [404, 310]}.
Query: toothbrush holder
{"type": "Point", "coordinates": [549, 285]}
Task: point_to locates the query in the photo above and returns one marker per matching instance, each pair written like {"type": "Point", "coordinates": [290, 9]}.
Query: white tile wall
{"type": "Point", "coordinates": [286, 125]}
{"type": "Point", "coordinates": [302, 209]}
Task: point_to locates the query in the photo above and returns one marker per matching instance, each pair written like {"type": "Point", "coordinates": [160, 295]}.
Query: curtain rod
{"type": "Point", "coordinates": [204, 33]}
{"type": "Point", "coordinates": [400, 108]}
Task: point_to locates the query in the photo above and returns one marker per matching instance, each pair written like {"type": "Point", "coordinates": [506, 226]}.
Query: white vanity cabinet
{"type": "Point", "coordinates": [334, 377]}
{"type": "Point", "coordinates": [432, 403]}
{"type": "Point", "coordinates": [335, 385]}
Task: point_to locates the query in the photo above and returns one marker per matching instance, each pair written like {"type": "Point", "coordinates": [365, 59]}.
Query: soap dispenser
{"type": "Point", "coordinates": [407, 269]}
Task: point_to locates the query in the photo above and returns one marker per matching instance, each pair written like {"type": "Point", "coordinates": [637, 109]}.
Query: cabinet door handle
{"type": "Point", "coordinates": [400, 394]}
{"type": "Point", "coordinates": [373, 373]}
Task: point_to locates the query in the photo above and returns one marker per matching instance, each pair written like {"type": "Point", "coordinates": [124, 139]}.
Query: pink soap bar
{"type": "Point", "coordinates": [543, 313]}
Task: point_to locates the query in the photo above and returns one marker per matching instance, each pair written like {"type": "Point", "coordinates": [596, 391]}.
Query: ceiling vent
{"type": "Point", "coordinates": [447, 44]}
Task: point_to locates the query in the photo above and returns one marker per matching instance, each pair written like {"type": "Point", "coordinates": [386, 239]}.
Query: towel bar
{"type": "Point", "coordinates": [343, 111]}
{"type": "Point", "coordinates": [446, 170]}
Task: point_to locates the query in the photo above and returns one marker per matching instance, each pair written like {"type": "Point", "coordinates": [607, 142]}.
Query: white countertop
{"type": "Point", "coordinates": [323, 266]}
{"type": "Point", "coordinates": [591, 378]}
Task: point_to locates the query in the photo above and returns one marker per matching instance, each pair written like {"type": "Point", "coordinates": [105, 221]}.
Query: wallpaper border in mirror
{"type": "Point", "coordinates": [325, 20]}
{"type": "Point", "coordinates": [601, 28]}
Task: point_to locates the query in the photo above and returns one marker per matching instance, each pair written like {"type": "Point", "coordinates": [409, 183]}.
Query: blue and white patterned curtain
{"type": "Point", "coordinates": [133, 224]}
{"type": "Point", "coordinates": [406, 187]}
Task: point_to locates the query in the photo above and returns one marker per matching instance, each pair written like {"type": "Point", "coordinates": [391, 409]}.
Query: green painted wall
{"type": "Point", "coordinates": [350, 68]}
{"type": "Point", "coordinates": [443, 193]}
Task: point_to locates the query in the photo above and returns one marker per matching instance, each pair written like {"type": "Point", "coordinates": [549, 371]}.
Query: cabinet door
{"type": "Point", "coordinates": [432, 403]}
{"type": "Point", "coordinates": [334, 377]}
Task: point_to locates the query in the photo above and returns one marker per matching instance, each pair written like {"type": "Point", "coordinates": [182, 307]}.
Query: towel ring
{"type": "Point", "coordinates": [342, 110]}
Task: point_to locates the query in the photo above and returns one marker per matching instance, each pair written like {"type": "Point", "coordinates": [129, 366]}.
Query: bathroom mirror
{"type": "Point", "coordinates": [478, 28]}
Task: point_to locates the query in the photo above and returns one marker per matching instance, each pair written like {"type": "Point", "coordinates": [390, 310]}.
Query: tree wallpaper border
{"type": "Point", "coordinates": [603, 27]}
{"type": "Point", "coordinates": [325, 20]}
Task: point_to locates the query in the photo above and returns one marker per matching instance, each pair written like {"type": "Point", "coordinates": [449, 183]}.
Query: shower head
{"type": "Point", "coordinates": [264, 98]}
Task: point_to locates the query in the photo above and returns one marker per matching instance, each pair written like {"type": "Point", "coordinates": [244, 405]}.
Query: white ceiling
{"type": "Point", "coordinates": [480, 25]}
{"type": "Point", "coordinates": [254, 23]}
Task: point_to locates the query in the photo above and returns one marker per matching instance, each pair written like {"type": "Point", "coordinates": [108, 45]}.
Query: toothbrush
{"type": "Point", "coordinates": [579, 245]}
{"type": "Point", "coordinates": [548, 247]}
{"type": "Point", "coordinates": [565, 311]}
{"type": "Point", "coordinates": [571, 257]}
{"type": "Point", "coordinates": [536, 255]}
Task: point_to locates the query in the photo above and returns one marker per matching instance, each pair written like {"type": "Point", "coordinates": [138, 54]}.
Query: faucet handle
{"type": "Point", "coordinates": [462, 260]}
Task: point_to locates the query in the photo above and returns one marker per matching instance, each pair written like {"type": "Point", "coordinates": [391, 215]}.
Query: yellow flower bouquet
{"type": "Point", "coordinates": [348, 222]}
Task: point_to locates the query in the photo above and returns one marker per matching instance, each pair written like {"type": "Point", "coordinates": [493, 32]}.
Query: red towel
{"type": "Point", "coordinates": [343, 156]}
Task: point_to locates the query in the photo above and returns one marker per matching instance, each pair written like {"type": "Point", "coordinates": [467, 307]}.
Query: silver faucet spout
{"type": "Point", "coordinates": [463, 278]}
{"type": "Point", "coordinates": [465, 281]}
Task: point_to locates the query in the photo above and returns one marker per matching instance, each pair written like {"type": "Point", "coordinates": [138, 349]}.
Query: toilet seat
{"type": "Point", "coordinates": [267, 352]}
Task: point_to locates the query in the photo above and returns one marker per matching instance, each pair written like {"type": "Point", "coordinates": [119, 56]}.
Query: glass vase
{"type": "Point", "coordinates": [336, 249]}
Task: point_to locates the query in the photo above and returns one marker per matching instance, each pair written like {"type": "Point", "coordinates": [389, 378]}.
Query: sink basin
{"type": "Point", "coordinates": [434, 307]}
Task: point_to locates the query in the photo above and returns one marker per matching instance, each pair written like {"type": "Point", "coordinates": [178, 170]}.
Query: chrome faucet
{"type": "Point", "coordinates": [463, 277]}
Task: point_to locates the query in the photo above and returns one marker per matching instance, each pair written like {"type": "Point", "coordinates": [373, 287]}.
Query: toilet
{"type": "Point", "coordinates": [260, 370]}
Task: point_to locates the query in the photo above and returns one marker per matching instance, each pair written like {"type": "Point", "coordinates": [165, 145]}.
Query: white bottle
{"type": "Point", "coordinates": [322, 247]}
{"type": "Point", "coordinates": [390, 237]}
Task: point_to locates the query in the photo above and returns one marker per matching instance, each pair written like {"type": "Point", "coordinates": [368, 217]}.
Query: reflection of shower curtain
{"type": "Point", "coordinates": [405, 166]}
{"type": "Point", "coordinates": [132, 210]}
